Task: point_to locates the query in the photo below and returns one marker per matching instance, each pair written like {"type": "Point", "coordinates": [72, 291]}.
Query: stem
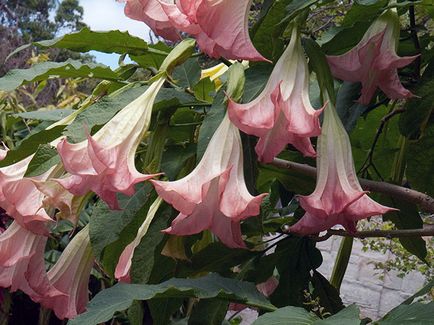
{"type": "Point", "coordinates": [427, 231]}
{"type": "Point", "coordinates": [425, 201]}
{"type": "Point", "coordinates": [341, 263]}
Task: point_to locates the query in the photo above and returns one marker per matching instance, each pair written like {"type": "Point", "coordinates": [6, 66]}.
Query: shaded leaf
{"type": "Point", "coordinates": [51, 115]}
{"type": "Point", "coordinates": [45, 157]}
{"type": "Point", "coordinates": [414, 314]}
{"type": "Point", "coordinates": [30, 144]}
{"type": "Point", "coordinates": [121, 296]}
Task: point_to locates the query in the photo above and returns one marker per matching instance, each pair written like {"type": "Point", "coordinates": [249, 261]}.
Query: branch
{"type": "Point", "coordinates": [425, 201]}
{"type": "Point", "coordinates": [424, 232]}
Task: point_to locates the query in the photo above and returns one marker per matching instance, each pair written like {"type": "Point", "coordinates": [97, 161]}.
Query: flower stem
{"type": "Point", "coordinates": [341, 263]}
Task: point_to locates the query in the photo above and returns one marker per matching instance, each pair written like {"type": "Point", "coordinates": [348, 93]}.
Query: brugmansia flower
{"type": "Point", "coordinates": [338, 197]}
{"type": "Point", "coordinates": [219, 26]}
{"type": "Point", "coordinates": [214, 195]}
{"type": "Point", "coordinates": [374, 61]}
{"type": "Point", "coordinates": [151, 13]}
{"type": "Point", "coordinates": [104, 163]}
{"type": "Point", "coordinates": [282, 113]}
{"type": "Point", "coordinates": [20, 198]}
{"type": "Point", "coordinates": [71, 275]}
{"type": "Point", "coordinates": [22, 263]}
{"type": "Point", "coordinates": [122, 272]}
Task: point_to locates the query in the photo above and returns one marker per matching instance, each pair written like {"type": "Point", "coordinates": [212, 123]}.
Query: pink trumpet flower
{"type": "Point", "coordinates": [151, 13]}
{"type": "Point", "coordinates": [71, 275]}
{"type": "Point", "coordinates": [104, 163]}
{"type": "Point", "coordinates": [219, 26]}
{"type": "Point", "coordinates": [374, 61]}
{"type": "Point", "coordinates": [22, 263]}
{"type": "Point", "coordinates": [338, 197]}
{"type": "Point", "coordinates": [282, 113]}
{"type": "Point", "coordinates": [214, 195]}
{"type": "Point", "coordinates": [20, 198]}
{"type": "Point", "coordinates": [122, 272]}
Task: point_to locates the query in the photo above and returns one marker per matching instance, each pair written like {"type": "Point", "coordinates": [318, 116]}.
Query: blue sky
{"type": "Point", "coordinates": [102, 15]}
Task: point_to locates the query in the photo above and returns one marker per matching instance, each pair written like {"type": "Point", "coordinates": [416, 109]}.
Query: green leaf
{"type": "Point", "coordinates": [174, 159]}
{"type": "Point", "coordinates": [45, 157]}
{"type": "Point", "coordinates": [348, 109]}
{"type": "Point", "coordinates": [215, 257]}
{"type": "Point", "coordinates": [299, 316]}
{"type": "Point", "coordinates": [154, 58]}
{"type": "Point", "coordinates": [328, 295]}
{"type": "Point", "coordinates": [236, 81]}
{"type": "Point", "coordinates": [42, 71]}
{"type": "Point", "coordinates": [413, 121]}
{"type": "Point", "coordinates": [268, 29]}
{"type": "Point", "coordinates": [256, 78]}
{"type": "Point", "coordinates": [188, 74]}
{"type": "Point", "coordinates": [209, 312]}
{"type": "Point", "coordinates": [51, 115]}
{"type": "Point", "coordinates": [121, 296]}
{"type": "Point", "coordinates": [364, 11]}
{"type": "Point", "coordinates": [210, 123]}
{"type": "Point", "coordinates": [178, 55]}
{"type": "Point", "coordinates": [414, 314]}
{"type": "Point", "coordinates": [318, 63]}
{"type": "Point", "coordinates": [111, 230]}
{"type": "Point", "coordinates": [296, 6]}
{"type": "Point", "coordinates": [420, 162]}
{"type": "Point", "coordinates": [150, 245]}
{"type": "Point", "coordinates": [407, 217]}
{"type": "Point", "coordinates": [102, 111]}
{"type": "Point", "coordinates": [204, 90]}
{"type": "Point", "coordinates": [294, 259]}
{"type": "Point", "coordinates": [108, 42]}
{"type": "Point", "coordinates": [30, 144]}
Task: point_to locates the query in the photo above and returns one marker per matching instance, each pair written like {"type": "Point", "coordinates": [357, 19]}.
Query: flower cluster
{"type": "Point", "coordinates": [214, 196]}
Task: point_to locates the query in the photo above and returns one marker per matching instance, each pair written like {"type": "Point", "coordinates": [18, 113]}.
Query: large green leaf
{"type": "Point", "coordinates": [107, 41]}
{"type": "Point", "coordinates": [45, 157]}
{"type": "Point", "coordinates": [30, 144]}
{"type": "Point", "coordinates": [42, 71]}
{"type": "Point", "coordinates": [111, 230]}
{"type": "Point", "coordinates": [413, 121]}
{"type": "Point", "coordinates": [407, 217]}
{"type": "Point", "coordinates": [414, 314]}
{"type": "Point", "coordinates": [209, 312]}
{"type": "Point", "coordinates": [420, 162]}
{"type": "Point", "coordinates": [150, 245]}
{"type": "Point", "coordinates": [211, 123]}
{"type": "Point", "coordinates": [121, 296]}
{"type": "Point", "coordinates": [187, 74]}
{"type": "Point", "coordinates": [299, 316]}
{"type": "Point", "coordinates": [267, 32]}
{"type": "Point", "coordinates": [214, 258]}
{"type": "Point", "coordinates": [49, 115]}
{"type": "Point", "coordinates": [348, 109]}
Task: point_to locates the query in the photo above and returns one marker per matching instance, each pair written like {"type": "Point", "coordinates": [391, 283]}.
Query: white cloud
{"type": "Point", "coordinates": [101, 15]}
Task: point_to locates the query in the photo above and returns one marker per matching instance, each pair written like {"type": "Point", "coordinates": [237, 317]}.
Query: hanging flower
{"type": "Point", "coordinates": [22, 263]}
{"type": "Point", "coordinates": [71, 275]}
{"type": "Point", "coordinates": [214, 195]}
{"type": "Point", "coordinates": [282, 113]}
{"type": "Point", "coordinates": [122, 272]}
{"type": "Point", "coordinates": [20, 198]}
{"type": "Point", "coordinates": [338, 197]}
{"type": "Point", "coordinates": [104, 163]}
{"type": "Point", "coordinates": [219, 26]}
{"type": "Point", "coordinates": [151, 13]}
{"type": "Point", "coordinates": [373, 61]}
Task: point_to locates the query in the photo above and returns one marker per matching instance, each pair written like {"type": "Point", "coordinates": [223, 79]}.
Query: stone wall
{"type": "Point", "coordinates": [362, 284]}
